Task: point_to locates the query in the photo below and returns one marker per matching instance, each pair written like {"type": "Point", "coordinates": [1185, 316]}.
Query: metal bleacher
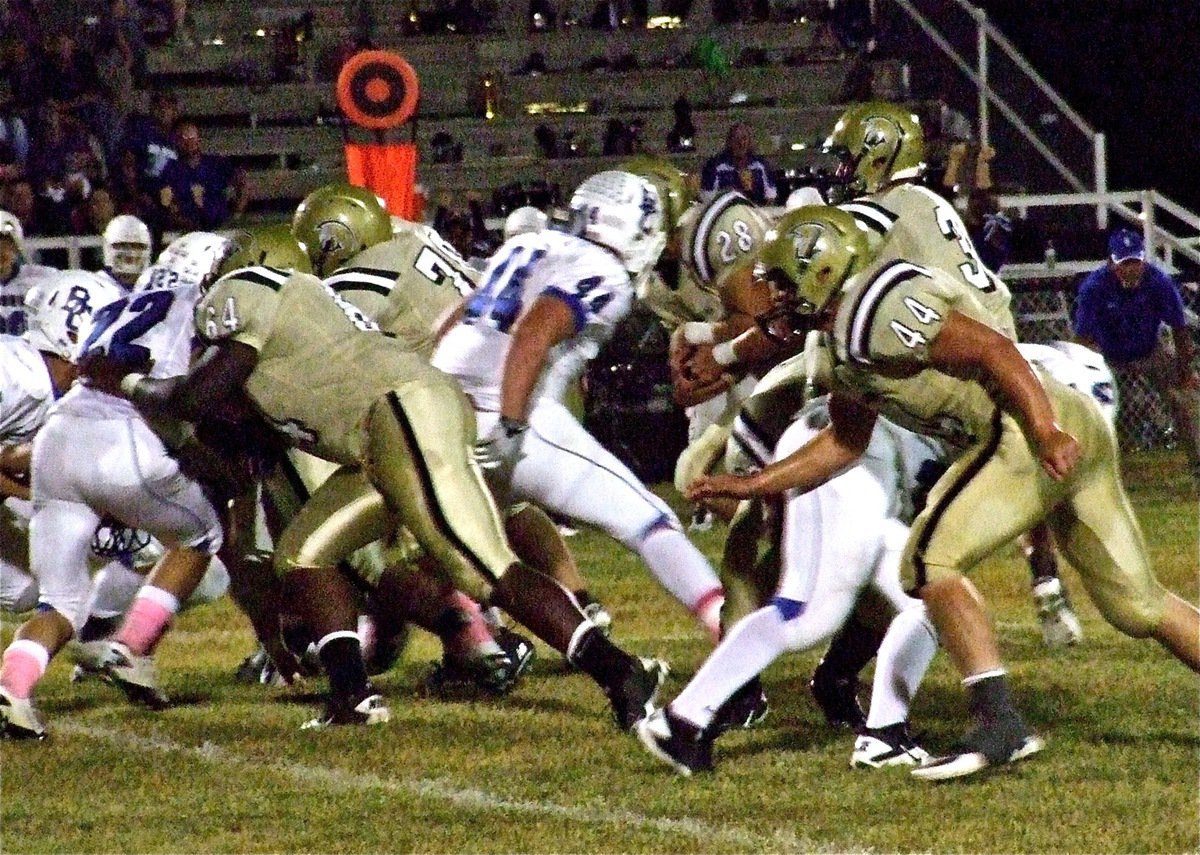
{"type": "Point", "coordinates": [281, 123]}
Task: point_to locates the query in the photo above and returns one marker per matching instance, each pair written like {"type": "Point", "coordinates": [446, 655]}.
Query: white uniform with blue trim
{"type": "Point", "coordinates": [120, 467]}
{"type": "Point", "coordinates": [562, 467]}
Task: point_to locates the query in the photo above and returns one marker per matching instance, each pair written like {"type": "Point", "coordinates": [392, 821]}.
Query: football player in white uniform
{"type": "Point", "coordinates": [17, 275]}
{"type": "Point", "coordinates": [125, 247]}
{"type": "Point", "coordinates": [834, 542]}
{"type": "Point", "coordinates": [547, 302]}
{"type": "Point", "coordinates": [125, 473]}
{"type": "Point", "coordinates": [36, 370]}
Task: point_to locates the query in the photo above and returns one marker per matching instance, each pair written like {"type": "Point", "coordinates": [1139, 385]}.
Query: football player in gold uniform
{"type": "Point", "coordinates": [918, 346]}
{"type": "Point", "coordinates": [332, 384]}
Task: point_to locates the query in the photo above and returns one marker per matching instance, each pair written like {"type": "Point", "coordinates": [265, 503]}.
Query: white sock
{"type": "Point", "coordinates": [679, 566]}
{"type": "Point", "coordinates": [904, 656]}
{"type": "Point", "coordinates": [754, 643]}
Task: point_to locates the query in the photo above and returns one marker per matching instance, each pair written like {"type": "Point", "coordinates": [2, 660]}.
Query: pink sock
{"type": "Point", "coordinates": [24, 663]}
{"type": "Point", "coordinates": [146, 621]}
{"type": "Point", "coordinates": [475, 637]}
{"type": "Point", "coordinates": [708, 611]}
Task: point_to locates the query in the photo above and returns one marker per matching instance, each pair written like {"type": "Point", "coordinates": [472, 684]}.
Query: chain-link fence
{"type": "Point", "coordinates": [1042, 312]}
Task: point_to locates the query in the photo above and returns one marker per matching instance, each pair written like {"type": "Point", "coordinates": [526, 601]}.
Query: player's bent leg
{"type": "Point", "coordinates": [418, 455]}
{"type": "Point", "coordinates": [565, 469]}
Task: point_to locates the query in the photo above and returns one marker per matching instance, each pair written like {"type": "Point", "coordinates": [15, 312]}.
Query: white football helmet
{"type": "Point", "coordinates": [10, 226]}
{"type": "Point", "coordinates": [623, 212]}
{"type": "Point", "coordinates": [1080, 368]}
{"type": "Point", "coordinates": [126, 247]}
{"type": "Point", "coordinates": [524, 220]}
{"type": "Point", "coordinates": [61, 311]}
{"type": "Point", "coordinates": [191, 259]}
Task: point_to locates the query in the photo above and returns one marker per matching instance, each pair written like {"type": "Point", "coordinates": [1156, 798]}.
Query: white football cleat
{"type": "Point", "coordinates": [18, 718]}
{"type": "Point", "coordinates": [887, 746]}
{"type": "Point", "coordinates": [1060, 624]}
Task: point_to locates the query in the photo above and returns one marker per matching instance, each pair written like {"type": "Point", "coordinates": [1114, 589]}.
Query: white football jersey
{"type": "Point", "coordinates": [590, 279]}
{"type": "Point", "coordinates": [26, 392]}
{"type": "Point", "coordinates": [151, 330]}
{"type": "Point", "coordinates": [12, 295]}
{"type": "Point", "coordinates": [1079, 367]}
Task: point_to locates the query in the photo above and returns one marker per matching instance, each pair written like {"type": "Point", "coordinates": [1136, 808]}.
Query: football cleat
{"type": "Point", "coordinates": [18, 718]}
{"type": "Point", "coordinates": [494, 673]}
{"type": "Point", "coordinates": [633, 697]}
{"type": "Point", "coordinates": [980, 750]}
{"type": "Point", "coordinates": [89, 658]}
{"type": "Point", "coordinates": [893, 745]}
{"type": "Point", "coordinates": [838, 699]}
{"type": "Point", "coordinates": [368, 709]}
{"type": "Point", "coordinates": [1060, 624]}
{"type": "Point", "coordinates": [136, 676]}
{"type": "Point", "coordinates": [745, 708]}
{"type": "Point", "coordinates": [676, 742]}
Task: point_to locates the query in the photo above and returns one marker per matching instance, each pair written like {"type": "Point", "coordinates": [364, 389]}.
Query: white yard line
{"type": "Point", "coordinates": [448, 792]}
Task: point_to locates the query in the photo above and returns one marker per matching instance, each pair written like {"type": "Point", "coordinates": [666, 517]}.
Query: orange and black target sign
{"type": "Point", "coordinates": [377, 89]}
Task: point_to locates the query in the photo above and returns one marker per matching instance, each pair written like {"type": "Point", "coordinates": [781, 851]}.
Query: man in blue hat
{"type": "Point", "coordinates": [1120, 310]}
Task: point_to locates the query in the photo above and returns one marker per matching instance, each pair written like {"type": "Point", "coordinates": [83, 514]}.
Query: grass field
{"type": "Point", "coordinates": [544, 770]}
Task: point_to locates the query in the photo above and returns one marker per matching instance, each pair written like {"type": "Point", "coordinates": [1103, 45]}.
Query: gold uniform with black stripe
{"type": "Point", "coordinates": [906, 221]}
{"type": "Point", "coordinates": [406, 284]}
{"type": "Point", "coordinates": [996, 488]}
{"type": "Point", "coordinates": [337, 387]}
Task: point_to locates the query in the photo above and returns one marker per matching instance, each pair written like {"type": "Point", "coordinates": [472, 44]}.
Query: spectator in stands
{"type": "Point", "coordinates": [64, 166]}
{"type": "Point", "coordinates": [17, 198]}
{"type": "Point", "coordinates": [201, 191]}
{"type": "Point", "coordinates": [14, 143]}
{"type": "Point", "coordinates": [739, 167]}
{"type": "Point", "coordinates": [71, 80]}
{"type": "Point", "coordinates": [23, 72]}
{"type": "Point", "coordinates": [146, 151]}
{"type": "Point", "coordinates": [1120, 311]}
{"type": "Point", "coordinates": [990, 229]}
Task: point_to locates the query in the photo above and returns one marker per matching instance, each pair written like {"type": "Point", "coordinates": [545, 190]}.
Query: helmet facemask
{"type": "Point", "coordinates": [816, 250]}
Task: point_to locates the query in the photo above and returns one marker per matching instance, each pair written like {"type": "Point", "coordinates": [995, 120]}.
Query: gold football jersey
{"type": "Point", "coordinates": [406, 284]}
{"type": "Point", "coordinates": [881, 339]}
{"type": "Point", "coordinates": [321, 362]}
{"type": "Point", "coordinates": [911, 222]}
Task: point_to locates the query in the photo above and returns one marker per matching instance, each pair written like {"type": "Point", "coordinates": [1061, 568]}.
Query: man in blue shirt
{"type": "Point", "coordinates": [201, 191]}
{"type": "Point", "coordinates": [738, 167]}
{"type": "Point", "coordinates": [1120, 310]}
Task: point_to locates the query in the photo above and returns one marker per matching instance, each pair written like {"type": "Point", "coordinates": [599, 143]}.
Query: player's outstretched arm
{"type": "Point", "coordinates": [826, 455]}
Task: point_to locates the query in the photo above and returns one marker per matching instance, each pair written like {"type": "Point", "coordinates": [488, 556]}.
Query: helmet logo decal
{"type": "Point", "coordinates": [78, 303]}
{"type": "Point", "coordinates": [335, 236]}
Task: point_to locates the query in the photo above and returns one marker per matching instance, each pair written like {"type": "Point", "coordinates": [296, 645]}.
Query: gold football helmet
{"type": "Point", "coordinates": [814, 251]}
{"type": "Point", "coordinates": [876, 142]}
{"type": "Point", "coordinates": [272, 246]}
{"type": "Point", "coordinates": [338, 221]}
